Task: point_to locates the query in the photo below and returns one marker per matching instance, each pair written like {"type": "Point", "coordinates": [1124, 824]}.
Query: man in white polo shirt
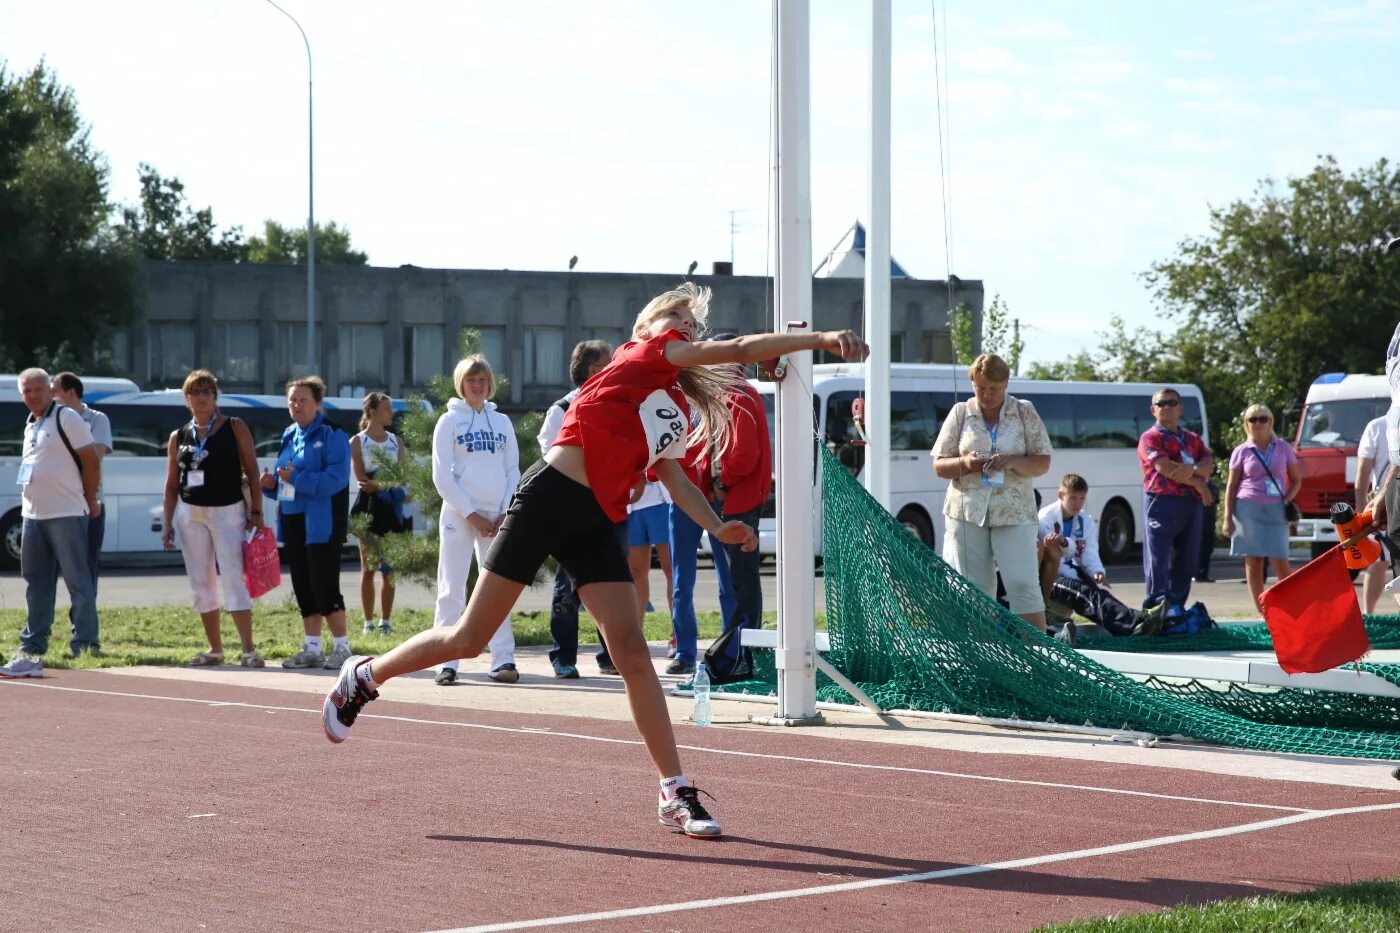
{"type": "Point", "coordinates": [58, 476]}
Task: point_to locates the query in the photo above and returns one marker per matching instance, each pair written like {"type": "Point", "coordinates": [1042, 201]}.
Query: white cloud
{"type": "Point", "coordinates": [1193, 55]}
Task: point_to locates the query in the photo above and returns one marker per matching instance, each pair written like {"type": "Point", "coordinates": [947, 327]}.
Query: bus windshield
{"type": "Point", "coordinates": [1338, 423]}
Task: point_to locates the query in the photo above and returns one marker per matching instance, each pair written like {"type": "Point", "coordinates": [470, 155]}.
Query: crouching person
{"type": "Point", "coordinates": [1072, 574]}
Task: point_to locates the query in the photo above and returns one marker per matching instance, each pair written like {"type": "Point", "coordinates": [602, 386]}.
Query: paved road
{"type": "Point", "coordinates": [1226, 598]}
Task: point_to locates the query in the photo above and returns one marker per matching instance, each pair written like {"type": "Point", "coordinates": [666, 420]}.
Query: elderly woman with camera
{"type": "Point", "coordinates": [989, 449]}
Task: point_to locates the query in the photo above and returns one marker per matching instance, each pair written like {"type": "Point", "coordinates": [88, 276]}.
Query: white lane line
{"type": "Point", "coordinates": [199, 816]}
{"type": "Point", "coordinates": [867, 884]}
{"type": "Point", "coordinates": [527, 730]}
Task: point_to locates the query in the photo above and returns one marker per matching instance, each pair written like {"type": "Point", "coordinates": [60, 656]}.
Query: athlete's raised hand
{"type": "Point", "coordinates": [738, 533]}
{"type": "Point", "coordinates": [845, 344]}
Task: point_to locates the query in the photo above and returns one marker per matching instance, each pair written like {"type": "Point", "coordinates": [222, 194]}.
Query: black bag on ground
{"type": "Point", "coordinates": [727, 660]}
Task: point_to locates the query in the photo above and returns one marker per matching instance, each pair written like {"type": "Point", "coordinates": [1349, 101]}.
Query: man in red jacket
{"type": "Point", "coordinates": [738, 483]}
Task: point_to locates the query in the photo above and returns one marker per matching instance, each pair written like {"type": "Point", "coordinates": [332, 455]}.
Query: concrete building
{"type": "Point", "coordinates": [392, 329]}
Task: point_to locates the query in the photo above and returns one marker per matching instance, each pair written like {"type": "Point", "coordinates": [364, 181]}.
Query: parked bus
{"type": "Point", "coordinates": [133, 476]}
{"type": "Point", "coordinates": [1335, 413]}
{"type": "Point", "coordinates": [1093, 426]}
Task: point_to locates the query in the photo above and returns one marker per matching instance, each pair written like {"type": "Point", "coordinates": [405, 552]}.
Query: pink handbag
{"type": "Point", "coordinates": [262, 568]}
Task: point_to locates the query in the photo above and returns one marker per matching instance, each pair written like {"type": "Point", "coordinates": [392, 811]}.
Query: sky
{"type": "Point", "coordinates": [1082, 140]}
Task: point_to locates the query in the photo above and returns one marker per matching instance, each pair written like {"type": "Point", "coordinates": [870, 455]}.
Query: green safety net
{"type": "Point", "coordinates": [914, 634]}
{"type": "Point", "coordinates": [1383, 632]}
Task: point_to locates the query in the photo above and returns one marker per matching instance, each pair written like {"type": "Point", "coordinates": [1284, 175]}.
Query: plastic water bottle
{"type": "Point", "coordinates": [701, 685]}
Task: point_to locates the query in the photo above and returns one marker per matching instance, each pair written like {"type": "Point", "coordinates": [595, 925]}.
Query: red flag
{"type": "Point", "coordinates": [1314, 617]}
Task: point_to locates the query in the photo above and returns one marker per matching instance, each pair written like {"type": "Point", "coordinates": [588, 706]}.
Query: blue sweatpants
{"type": "Point", "coordinates": [1171, 546]}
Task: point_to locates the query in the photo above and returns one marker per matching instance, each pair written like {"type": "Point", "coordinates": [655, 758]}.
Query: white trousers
{"type": "Point", "coordinates": [211, 540]}
{"type": "Point", "coordinates": [978, 552]}
{"type": "Point", "coordinates": [458, 542]}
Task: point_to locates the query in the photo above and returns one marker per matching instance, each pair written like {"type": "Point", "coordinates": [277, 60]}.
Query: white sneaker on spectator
{"type": "Point", "coordinates": [304, 658]}
{"type": "Point", "coordinates": [336, 658]}
{"type": "Point", "coordinates": [369, 627]}
{"type": "Point", "coordinates": [23, 665]}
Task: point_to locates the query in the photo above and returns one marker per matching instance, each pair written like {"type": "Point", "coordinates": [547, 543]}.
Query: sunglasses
{"type": "Point", "coordinates": [1258, 419]}
{"type": "Point", "coordinates": [200, 392]}
{"type": "Point", "coordinates": [1167, 403]}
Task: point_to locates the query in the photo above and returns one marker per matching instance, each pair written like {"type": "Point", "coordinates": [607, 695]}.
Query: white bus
{"type": "Point", "coordinates": [133, 476]}
{"type": "Point", "coordinates": [1093, 426]}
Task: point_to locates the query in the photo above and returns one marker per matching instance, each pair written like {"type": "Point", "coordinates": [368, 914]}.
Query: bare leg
{"type": "Point", "coordinates": [243, 621]}
{"type": "Point", "coordinates": [312, 625]}
{"type": "Point", "coordinates": [1280, 566]}
{"type": "Point", "coordinates": [336, 621]}
{"type": "Point", "coordinates": [386, 596]}
{"type": "Point", "coordinates": [366, 581]}
{"type": "Point", "coordinates": [1254, 577]}
{"type": "Point", "coordinates": [639, 561]}
{"type": "Point", "coordinates": [1050, 555]}
{"type": "Point", "coordinates": [614, 606]}
{"type": "Point", "coordinates": [211, 620]}
{"type": "Point", "coordinates": [1372, 580]}
{"type": "Point", "coordinates": [491, 600]}
{"type": "Point", "coordinates": [1035, 618]}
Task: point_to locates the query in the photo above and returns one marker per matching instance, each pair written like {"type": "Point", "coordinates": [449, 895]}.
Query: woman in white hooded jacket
{"type": "Point", "coordinates": [476, 467]}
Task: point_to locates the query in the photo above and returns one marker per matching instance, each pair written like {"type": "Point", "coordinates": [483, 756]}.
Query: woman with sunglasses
{"type": "Point", "coordinates": [1264, 478]}
{"type": "Point", "coordinates": [210, 462]}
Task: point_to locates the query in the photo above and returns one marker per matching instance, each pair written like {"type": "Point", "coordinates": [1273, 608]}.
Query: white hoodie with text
{"type": "Point", "coordinates": [476, 461]}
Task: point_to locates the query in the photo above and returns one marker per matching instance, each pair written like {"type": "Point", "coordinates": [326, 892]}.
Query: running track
{"type": "Point", "coordinates": [153, 804]}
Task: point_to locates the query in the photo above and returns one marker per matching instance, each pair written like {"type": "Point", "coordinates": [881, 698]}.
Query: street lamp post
{"type": "Point", "coordinates": [310, 205]}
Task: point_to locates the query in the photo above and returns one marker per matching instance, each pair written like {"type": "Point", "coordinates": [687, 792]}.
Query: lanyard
{"type": "Point", "coordinates": [38, 426]}
{"type": "Point", "coordinates": [992, 433]}
{"type": "Point", "coordinates": [1180, 436]}
{"type": "Point", "coordinates": [199, 444]}
{"type": "Point", "coordinates": [1071, 531]}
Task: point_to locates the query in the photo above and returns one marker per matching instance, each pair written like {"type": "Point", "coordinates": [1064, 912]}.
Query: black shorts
{"type": "Point", "coordinates": [553, 515]}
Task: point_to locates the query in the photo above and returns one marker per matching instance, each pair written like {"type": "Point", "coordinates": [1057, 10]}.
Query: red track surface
{"type": "Point", "coordinates": [127, 812]}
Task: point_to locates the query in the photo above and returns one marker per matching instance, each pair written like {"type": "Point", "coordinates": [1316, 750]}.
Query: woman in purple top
{"type": "Point", "coordinates": [1264, 475]}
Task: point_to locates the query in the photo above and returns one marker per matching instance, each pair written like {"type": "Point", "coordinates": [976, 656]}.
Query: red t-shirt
{"type": "Point", "coordinates": [605, 422]}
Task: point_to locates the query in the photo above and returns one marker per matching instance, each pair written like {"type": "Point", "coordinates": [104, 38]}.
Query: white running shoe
{"type": "Point", "coordinates": [345, 699]}
{"type": "Point", "coordinates": [686, 813]}
{"type": "Point", "coordinates": [336, 658]}
{"type": "Point", "coordinates": [369, 627]}
{"type": "Point", "coordinates": [304, 658]}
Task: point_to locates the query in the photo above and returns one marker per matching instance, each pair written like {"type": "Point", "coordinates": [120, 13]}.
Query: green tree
{"type": "Point", "coordinates": [65, 279]}
{"type": "Point", "coordinates": [1002, 335]}
{"type": "Point", "coordinates": [287, 245]}
{"type": "Point", "coordinates": [416, 556]}
{"type": "Point", "coordinates": [962, 329]}
{"type": "Point", "coordinates": [1287, 285]}
{"type": "Point", "coordinates": [1079, 367]}
{"type": "Point", "coordinates": [164, 226]}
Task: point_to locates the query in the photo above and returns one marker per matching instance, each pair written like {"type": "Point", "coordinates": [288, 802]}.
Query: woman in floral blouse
{"type": "Point", "coordinates": [989, 449]}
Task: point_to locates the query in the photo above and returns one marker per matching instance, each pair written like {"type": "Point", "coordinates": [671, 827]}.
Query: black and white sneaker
{"type": "Point", "coordinates": [686, 813]}
{"type": "Point", "coordinates": [346, 698]}
{"type": "Point", "coordinates": [446, 677]}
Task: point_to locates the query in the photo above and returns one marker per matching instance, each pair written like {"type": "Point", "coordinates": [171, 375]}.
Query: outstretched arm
{"type": "Point", "coordinates": [756, 347]}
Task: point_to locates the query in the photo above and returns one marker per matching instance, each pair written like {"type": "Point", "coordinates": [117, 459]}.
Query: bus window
{"type": "Point", "coordinates": [913, 425]}
{"type": "Point", "coordinates": [1110, 420]}
{"type": "Point", "coordinates": [1057, 411]}
{"type": "Point", "coordinates": [841, 436]}
{"type": "Point", "coordinates": [1191, 418]}
{"type": "Point", "coordinates": [266, 425]}
{"type": "Point", "coordinates": [143, 430]}
{"type": "Point", "coordinates": [12, 418]}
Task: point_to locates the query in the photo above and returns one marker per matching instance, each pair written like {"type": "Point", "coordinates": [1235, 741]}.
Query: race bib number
{"type": "Point", "coordinates": [664, 426]}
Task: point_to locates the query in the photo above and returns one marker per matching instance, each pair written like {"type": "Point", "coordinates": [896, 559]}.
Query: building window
{"type": "Point", "coordinates": [544, 356]}
{"type": "Point", "coordinates": [362, 354]}
{"type": "Point", "coordinates": [119, 350]}
{"type": "Point", "coordinates": [938, 347]}
{"type": "Point", "coordinates": [896, 348]}
{"type": "Point", "coordinates": [172, 352]}
{"type": "Point", "coordinates": [291, 351]}
{"type": "Point", "coordinates": [612, 336]}
{"type": "Point", "coordinates": [422, 353]}
{"type": "Point", "coordinates": [236, 352]}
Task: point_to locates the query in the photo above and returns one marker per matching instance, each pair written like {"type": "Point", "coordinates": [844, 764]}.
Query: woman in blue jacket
{"type": "Point", "coordinates": [313, 505]}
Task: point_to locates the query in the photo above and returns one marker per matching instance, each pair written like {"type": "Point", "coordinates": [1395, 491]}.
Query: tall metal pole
{"type": "Point", "coordinates": [877, 262]}
{"type": "Point", "coordinates": [311, 366]}
{"type": "Point", "coordinates": [796, 653]}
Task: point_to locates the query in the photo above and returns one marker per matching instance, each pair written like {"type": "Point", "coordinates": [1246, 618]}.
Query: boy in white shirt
{"type": "Point", "coordinates": [1077, 579]}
